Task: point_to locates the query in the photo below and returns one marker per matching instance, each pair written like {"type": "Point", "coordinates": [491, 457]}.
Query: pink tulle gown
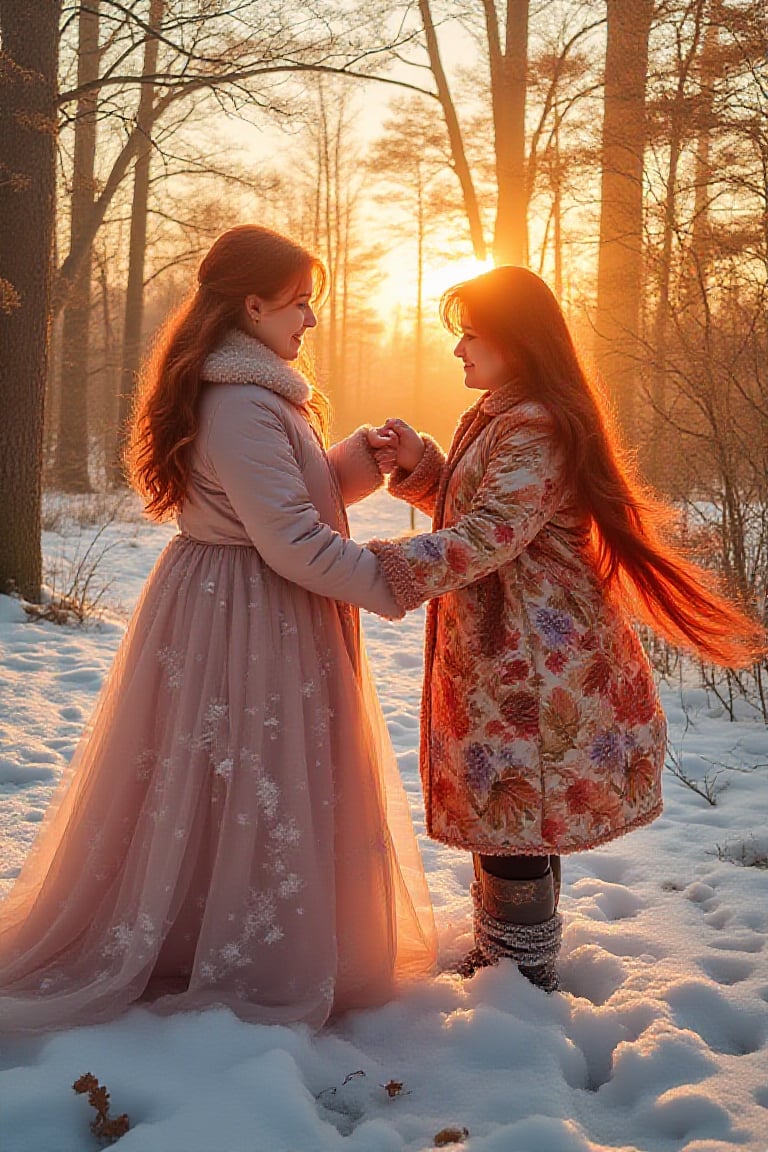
{"type": "Point", "coordinates": [232, 829]}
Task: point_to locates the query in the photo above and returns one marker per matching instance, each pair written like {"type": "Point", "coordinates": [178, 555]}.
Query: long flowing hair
{"type": "Point", "coordinates": [243, 261]}
{"type": "Point", "coordinates": [517, 313]}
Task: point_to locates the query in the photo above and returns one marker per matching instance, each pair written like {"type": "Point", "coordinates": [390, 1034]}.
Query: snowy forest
{"type": "Point", "coordinates": [621, 150]}
{"type": "Point", "coordinates": [618, 148]}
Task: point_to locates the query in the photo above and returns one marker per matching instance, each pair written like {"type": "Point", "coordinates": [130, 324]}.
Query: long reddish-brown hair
{"type": "Point", "coordinates": [247, 260]}
{"type": "Point", "coordinates": [517, 313]}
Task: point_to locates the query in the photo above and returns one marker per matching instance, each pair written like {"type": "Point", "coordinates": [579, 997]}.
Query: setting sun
{"type": "Point", "coordinates": [444, 273]}
{"type": "Point", "coordinates": [398, 288]}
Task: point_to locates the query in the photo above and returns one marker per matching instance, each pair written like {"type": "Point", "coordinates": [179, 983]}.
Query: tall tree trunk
{"type": "Point", "coordinates": [458, 155]}
{"type": "Point", "coordinates": [701, 237]}
{"type": "Point", "coordinates": [318, 337]}
{"type": "Point", "coordinates": [656, 453]}
{"type": "Point", "coordinates": [346, 275]}
{"type": "Point", "coordinates": [419, 414]}
{"type": "Point", "coordinates": [28, 125]}
{"type": "Point", "coordinates": [67, 272]}
{"type": "Point", "coordinates": [52, 389]}
{"type": "Point", "coordinates": [105, 400]}
{"type": "Point", "coordinates": [134, 294]}
{"type": "Point", "coordinates": [509, 80]}
{"type": "Point", "coordinates": [52, 396]}
{"type": "Point", "coordinates": [70, 471]}
{"type": "Point", "coordinates": [620, 261]}
{"type": "Point", "coordinates": [331, 259]}
{"type": "Point", "coordinates": [339, 249]}
{"type": "Point", "coordinates": [658, 458]}
{"type": "Point", "coordinates": [557, 213]}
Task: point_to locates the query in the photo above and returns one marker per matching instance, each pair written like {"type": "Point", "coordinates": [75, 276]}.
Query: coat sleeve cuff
{"type": "Point", "coordinates": [398, 574]}
{"type": "Point", "coordinates": [355, 466]}
{"type": "Point", "coordinates": [420, 485]}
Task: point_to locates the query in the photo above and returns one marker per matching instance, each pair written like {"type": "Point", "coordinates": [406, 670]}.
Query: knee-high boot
{"type": "Point", "coordinates": [516, 919]}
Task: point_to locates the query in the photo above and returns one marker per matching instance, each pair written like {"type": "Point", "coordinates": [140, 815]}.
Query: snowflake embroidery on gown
{"type": "Point", "coordinates": [232, 829]}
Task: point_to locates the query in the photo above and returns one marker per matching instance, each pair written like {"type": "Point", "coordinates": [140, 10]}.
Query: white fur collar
{"type": "Point", "coordinates": [242, 359]}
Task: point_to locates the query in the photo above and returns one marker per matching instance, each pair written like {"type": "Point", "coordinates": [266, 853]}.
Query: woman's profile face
{"type": "Point", "coordinates": [281, 323]}
{"type": "Point", "coordinates": [484, 366]}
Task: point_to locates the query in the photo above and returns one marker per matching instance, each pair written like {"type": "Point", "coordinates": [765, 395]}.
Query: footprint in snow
{"type": "Point", "coordinates": [731, 969]}
{"type": "Point", "coordinates": [724, 1027]}
{"type": "Point", "coordinates": [727, 969]}
{"type": "Point", "coordinates": [745, 941]}
{"type": "Point", "coordinates": [718, 919]}
{"type": "Point", "coordinates": [602, 900]}
{"type": "Point", "coordinates": [609, 867]}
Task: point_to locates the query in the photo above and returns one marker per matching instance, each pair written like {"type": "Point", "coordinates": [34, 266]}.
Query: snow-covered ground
{"type": "Point", "coordinates": [657, 1043]}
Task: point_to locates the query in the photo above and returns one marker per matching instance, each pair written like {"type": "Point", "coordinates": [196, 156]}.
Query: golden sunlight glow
{"type": "Point", "coordinates": [443, 274]}
{"type": "Point", "coordinates": [398, 286]}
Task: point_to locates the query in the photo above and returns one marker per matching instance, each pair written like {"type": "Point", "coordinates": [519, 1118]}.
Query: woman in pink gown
{"type": "Point", "coordinates": [232, 829]}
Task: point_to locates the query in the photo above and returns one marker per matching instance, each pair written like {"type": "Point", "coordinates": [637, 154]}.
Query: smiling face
{"type": "Point", "coordinates": [484, 366]}
{"type": "Point", "coordinates": [281, 323]}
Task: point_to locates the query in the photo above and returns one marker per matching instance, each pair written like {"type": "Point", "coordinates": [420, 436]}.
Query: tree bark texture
{"type": "Point", "coordinates": [71, 459]}
{"type": "Point", "coordinates": [460, 162]}
{"type": "Point", "coordinates": [701, 237]}
{"type": "Point", "coordinates": [620, 261]}
{"type": "Point", "coordinates": [134, 293]}
{"type": "Point", "coordinates": [658, 455]}
{"type": "Point", "coordinates": [28, 92]}
{"type": "Point", "coordinates": [509, 79]}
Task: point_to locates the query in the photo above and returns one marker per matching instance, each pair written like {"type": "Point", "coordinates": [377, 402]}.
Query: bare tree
{"type": "Point", "coordinates": [516, 151]}
{"type": "Point", "coordinates": [134, 295]}
{"type": "Point", "coordinates": [676, 113]}
{"type": "Point", "coordinates": [189, 54]}
{"type": "Point", "coordinates": [709, 345]}
{"type": "Point", "coordinates": [28, 87]}
{"type": "Point", "coordinates": [411, 157]}
{"type": "Point", "coordinates": [620, 263]}
{"type": "Point", "coordinates": [458, 154]}
{"type": "Point", "coordinates": [231, 57]}
{"type": "Point", "coordinates": [70, 469]}
{"type": "Point", "coordinates": [509, 78]}
{"type": "Point", "coordinates": [564, 156]}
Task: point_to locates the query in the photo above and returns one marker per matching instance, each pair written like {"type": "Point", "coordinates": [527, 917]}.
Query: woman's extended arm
{"type": "Point", "coordinates": [520, 491]}
{"type": "Point", "coordinates": [249, 450]}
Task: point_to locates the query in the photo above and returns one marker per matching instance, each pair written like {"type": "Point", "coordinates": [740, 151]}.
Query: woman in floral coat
{"type": "Point", "coordinates": [542, 732]}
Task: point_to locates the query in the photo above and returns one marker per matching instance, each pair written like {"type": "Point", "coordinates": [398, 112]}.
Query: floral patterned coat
{"type": "Point", "coordinates": [542, 731]}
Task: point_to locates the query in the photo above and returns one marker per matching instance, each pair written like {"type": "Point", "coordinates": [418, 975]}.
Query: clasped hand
{"type": "Point", "coordinates": [396, 444]}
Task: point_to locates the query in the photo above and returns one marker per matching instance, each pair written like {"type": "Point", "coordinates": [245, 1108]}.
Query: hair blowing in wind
{"type": "Point", "coordinates": [630, 528]}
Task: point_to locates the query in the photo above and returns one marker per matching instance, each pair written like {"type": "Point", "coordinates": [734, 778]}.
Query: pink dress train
{"type": "Point", "coordinates": [231, 829]}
